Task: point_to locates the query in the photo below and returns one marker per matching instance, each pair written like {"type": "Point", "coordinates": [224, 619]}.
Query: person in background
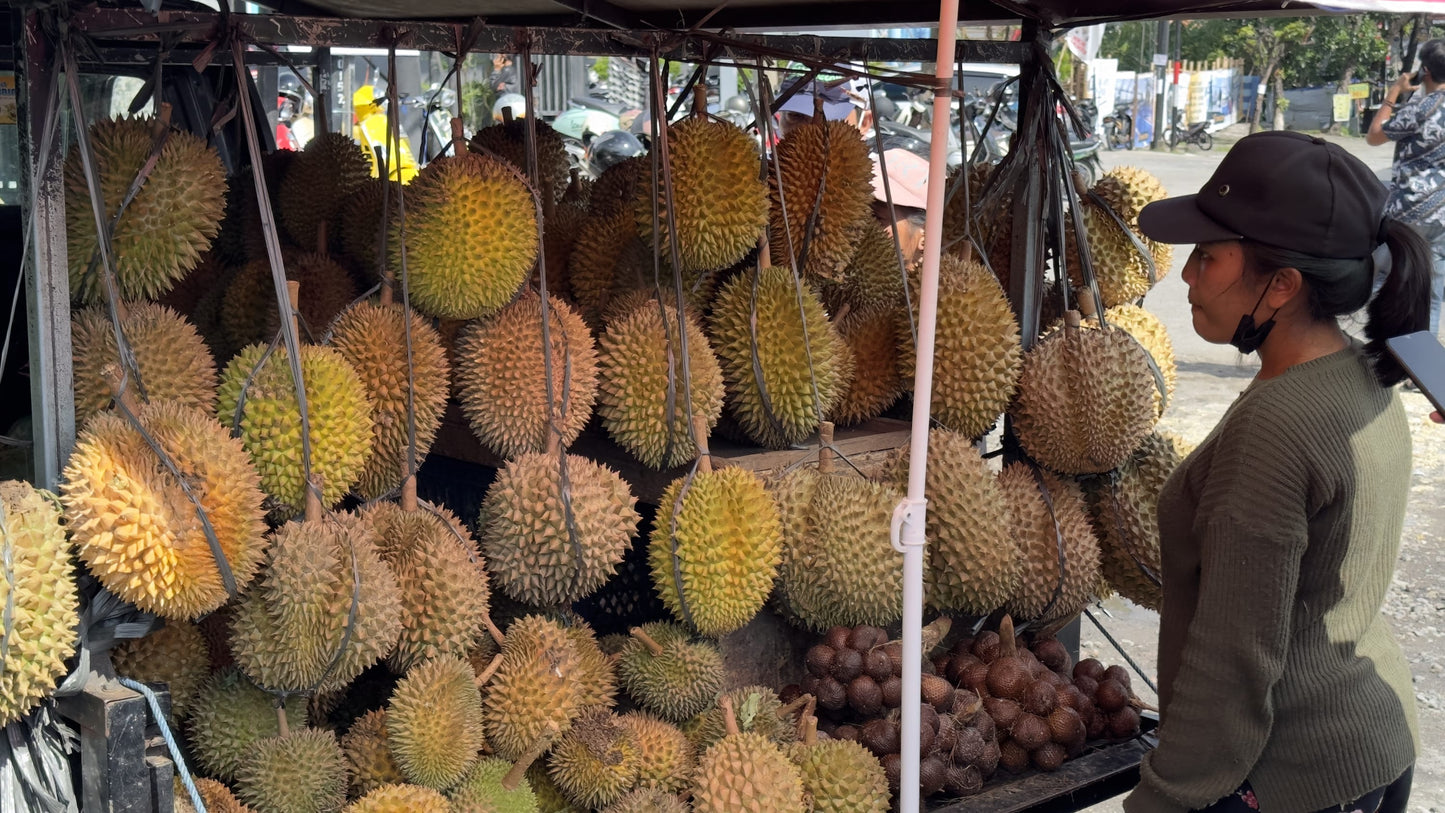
{"type": "Point", "coordinates": [504, 75]}
{"type": "Point", "coordinates": [908, 188]}
{"type": "Point", "coordinates": [842, 101]}
{"type": "Point", "coordinates": [1281, 685]}
{"type": "Point", "coordinates": [1417, 194]}
{"type": "Point", "coordinates": [370, 130]}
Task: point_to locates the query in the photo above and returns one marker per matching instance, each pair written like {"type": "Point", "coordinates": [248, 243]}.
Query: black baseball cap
{"type": "Point", "coordinates": [1284, 189]}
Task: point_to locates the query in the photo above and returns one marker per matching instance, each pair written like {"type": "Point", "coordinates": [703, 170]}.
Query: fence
{"type": "Point", "coordinates": [1212, 92]}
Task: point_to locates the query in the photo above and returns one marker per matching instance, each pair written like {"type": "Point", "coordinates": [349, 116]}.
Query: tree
{"type": "Point", "coordinates": [1130, 43]}
{"type": "Point", "coordinates": [1264, 43]}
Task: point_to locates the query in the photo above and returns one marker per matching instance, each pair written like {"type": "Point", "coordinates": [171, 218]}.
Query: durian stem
{"type": "Point", "coordinates": [699, 436]}
{"type": "Point", "coordinates": [491, 669]}
{"type": "Point", "coordinates": [1008, 646]}
{"type": "Point", "coordinates": [554, 442]}
{"type": "Point", "coordinates": [1086, 306]}
{"type": "Point", "coordinates": [408, 493]}
{"type": "Point", "coordinates": [162, 121]}
{"type": "Point", "coordinates": [459, 138]}
{"type": "Point", "coordinates": [699, 99]}
{"type": "Point", "coordinates": [730, 717]}
{"type": "Point", "coordinates": [493, 631]}
{"type": "Point", "coordinates": [126, 397]}
{"type": "Point", "coordinates": [843, 312]}
{"type": "Point", "coordinates": [507, 117]}
{"type": "Point", "coordinates": [825, 447]}
{"type": "Point", "coordinates": [281, 725]}
{"type": "Point", "coordinates": [313, 499]}
{"type": "Point", "coordinates": [818, 108]}
{"type": "Point", "coordinates": [388, 281]}
{"type": "Point", "coordinates": [574, 186]}
{"type": "Point", "coordinates": [648, 641]}
{"type": "Point", "coordinates": [121, 311]}
{"type": "Point", "coordinates": [293, 295]}
{"type": "Point", "coordinates": [519, 768]}
{"type": "Point", "coordinates": [806, 702]}
{"type": "Point", "coordinates": [1073, 319]}
{"type": "Point", "coordinates": [809, 730]}
{"type": "Point", "coordinates": [1140, 705]}
{"type": "Point", "coordinates": [765, 253]}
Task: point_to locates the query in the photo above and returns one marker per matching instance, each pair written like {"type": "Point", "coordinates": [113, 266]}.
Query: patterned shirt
{"type": "Point", "coordinates": [1418, 130]}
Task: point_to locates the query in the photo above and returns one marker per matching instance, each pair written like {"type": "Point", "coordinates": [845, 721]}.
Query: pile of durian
{"type": "Point", "coordinates": [333, 642]}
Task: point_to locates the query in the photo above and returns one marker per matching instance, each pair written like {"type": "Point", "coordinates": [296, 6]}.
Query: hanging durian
{"type": "Point", "coordinates": [359, 226]}
{"type": "Point", "coordinates": [873, 279]}
{"type": "Point", "coordinates": [1057, 547]}
{"type": "Point", "coordinates": [174, 655]}
{"type": "Point", "coordinates": [303, 771]}
{"type": "Point", "coordinates": [873, 338]}
{"type": "Point", "coordinates": [509, 142]}
{"type": "Point", "coordinates": [1125, 515]}
{"type": "Point", "coordinates": [317, 184]}
{"type": "Point", "coordinates": [1127, 190]}
{"type": "Point", "coordinates": [1149, 331]}
{"type": "Point", "coordinates": [249, 314]}
{"type": "Point", "coordinates": [603, 246]}
{"type": "Point", "coordinates": [230, 714]}
{"type": "Point", "coordinates": [434, 722]}
{"type": "Point", "coordinates": [173, 361]}
{"type": "Point", "coordinates": [824, 202]}
{"type": "Point", "coordinates": [164, 229]}
{"type": "Point", "coordinates": [616, 187]}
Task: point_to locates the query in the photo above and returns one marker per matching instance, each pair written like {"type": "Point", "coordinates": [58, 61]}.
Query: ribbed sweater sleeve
{"type": "Point", "coordinates": [1251, 529]}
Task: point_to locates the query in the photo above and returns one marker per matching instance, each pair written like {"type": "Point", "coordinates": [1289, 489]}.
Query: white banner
{"type": "Point", "coordinates": [1085, 42]}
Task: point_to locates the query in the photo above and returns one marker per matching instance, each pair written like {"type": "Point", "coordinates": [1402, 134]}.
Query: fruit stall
{"type": "Point", "coordinates": [511, 489]}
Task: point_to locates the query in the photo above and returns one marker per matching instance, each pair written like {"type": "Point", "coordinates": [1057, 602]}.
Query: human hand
{"type": "Point", "coordinates": [1403, 82]}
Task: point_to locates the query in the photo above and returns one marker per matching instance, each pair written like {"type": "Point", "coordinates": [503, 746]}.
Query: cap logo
{"type": "Point", "coordinates": [1223, 190]}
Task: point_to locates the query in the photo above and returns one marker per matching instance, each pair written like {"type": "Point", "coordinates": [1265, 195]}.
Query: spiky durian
{"type": "Point", "coordinates": [1149, 331]}
{"type": "Point", "coordinates": [826, 194]}
{"type": "Point", "coordinates": [38, 593]}
{"type": "Point", "coordinates": [714, 549]}
{"type": "Point", "coordinates": [300, 772]}
{"type": "Point", "coordinates": [359, 226]}
{"type": "Point", "coordinates": [552, 546]}
{"type": "Point", "coordinates": [368, 754]}
{"type": "Point", "coordinates": [647, 800]}
{"type": "Point", "coordinates": [642, 397]}
{"type": "Point", "coordinates": [173, 361]}
{"type": "Point", "coordinates": [402, 381]}
{"type": "Point", "coordinates": [549, 796]}
{"type": "Point", "coordinates": [443, 581]}
{"type": "Point", "coordinates": [482, 790]}
{"type": "Point", "coordinates": [401, 799]}
{"type": "Point", "coordinates": [973, 565]}
{"type": "Point", "coordinates": [841, 568]}
{"type": "Point", "coordinates": [434, 722]}
{"type": "Point", "coordinates": [471, 237]}
{"type": "Point", "coordinates": [559, 237]}
{"type": "Point", "coordinates": [596, 761]}
{"type": "Point", "coordinates": [250, 314]}
{"type": "Point", "coordinates": [509, 141]}
{"type": "Point", "coordinates": [841, 776]}
{"type": "Point", "coordinates": [599, 259]}
{"type": "Point", "coordinates": [757, 709]}
{"type": "Point", "coordinates": [174, 655]}
{"type": "Point", "coordinates": [229, 714]}
{"type": "Point", "coordinates": [596, 674]}
{"type": "Point", "coordinates": [317, 184]}
{"type": "Point", "coordinates": [1127, 190]}
{"type": "Point", "coordinates": [172, 218]}
{"type": "Point", "coordinates": [1119, 267]}
{"type": "Point", "coordinates": [338, 409]}
{"type": "Point", "coordinates": [215, 796]}
{"type": "Point", "coordinates": [135, 526]}
{"type": "Point", "coordinates": [873, 338]}
{"type": "Point", "coordinates": [1085, 401]}
{"type": "Point", "coordinates": [667, 759]}
{"type": "Point", "coordinates": [501, 373]}
{"type": "Point", "coordinates": [535, 689]}
{"type": "Point", "coordinates": [668, 673]}
{"type": "Point", "coordinates": [616, 187]}
{"type": "Point", "coordinates": [326, 608]}
{"type": "Point", "coordinates": [719, 203]}
{"type": "Point", "coordinates": [1057, 547]}
{"type": "Point", "coordinates": [1124, 510]}
{"type": "Point", "coordinates": [747, 773]}
{"type": "Point", "coordinates": [873, 278]}
{"type": "Point", "coordinates": [775, 328]}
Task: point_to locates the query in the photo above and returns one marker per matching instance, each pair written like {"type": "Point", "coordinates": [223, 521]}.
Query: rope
{"type": "Point", "coordinates": [393, 134]}
{"type": "Point", "coordinates": [351, 612]}
{"type": "Point", "coordinates": [171, 745]}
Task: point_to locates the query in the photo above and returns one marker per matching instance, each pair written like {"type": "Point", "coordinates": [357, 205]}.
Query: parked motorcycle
{"type": "Point", "coordinates": [993, 119]}
{"type": "Point", "coordinates": [1119, 128]}
{"type": "Point", "coordinates": [1195, 134]}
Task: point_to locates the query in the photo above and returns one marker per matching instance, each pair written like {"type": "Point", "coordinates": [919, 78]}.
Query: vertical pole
{"type": "Point", "coordinates": [47, 286]}
{"type": "Point", "coordinates": [1161, 46]}
{"type": "Point", "coordinates": [907, 527]}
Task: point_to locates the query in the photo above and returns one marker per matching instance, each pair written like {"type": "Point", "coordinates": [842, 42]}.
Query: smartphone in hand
{"type": "Point", "coordinates": [1423, 359]}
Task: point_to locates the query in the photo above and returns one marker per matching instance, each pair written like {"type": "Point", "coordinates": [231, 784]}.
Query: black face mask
{"type": "Point", "coordinates": [1249, 337]}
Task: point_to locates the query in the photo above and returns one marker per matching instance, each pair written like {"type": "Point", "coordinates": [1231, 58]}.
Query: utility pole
{"type": "Point", "coordinates": [1161, 60]}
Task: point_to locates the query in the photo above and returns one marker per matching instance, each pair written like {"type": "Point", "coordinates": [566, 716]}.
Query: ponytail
{"type": "Point", "coordinates": [1402, 305]}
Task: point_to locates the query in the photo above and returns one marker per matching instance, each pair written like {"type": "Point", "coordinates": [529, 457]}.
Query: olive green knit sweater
{"type": "Point", "coordinates": [1279, 537]}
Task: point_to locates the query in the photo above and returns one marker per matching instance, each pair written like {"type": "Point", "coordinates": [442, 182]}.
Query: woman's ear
{"type": "Point", "coordinates": [1285, 286]}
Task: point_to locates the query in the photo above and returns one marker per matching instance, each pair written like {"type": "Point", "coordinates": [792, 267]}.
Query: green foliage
{"type": "Point", "coordinates": [1130, 43]}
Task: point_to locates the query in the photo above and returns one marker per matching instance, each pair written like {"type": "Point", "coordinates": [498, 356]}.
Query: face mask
{"type": "Point", "coordinates": [1249, 337]}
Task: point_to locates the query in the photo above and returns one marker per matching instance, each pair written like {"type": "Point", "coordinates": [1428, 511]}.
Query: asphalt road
{"type": "Point", "coordinates": [1210, 376]}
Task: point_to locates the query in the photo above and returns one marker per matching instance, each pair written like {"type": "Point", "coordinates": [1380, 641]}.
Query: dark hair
{"type": "Point", "coordinates": [1338, 287]}
{"type": "Point", "coordinates": [1432, 59]}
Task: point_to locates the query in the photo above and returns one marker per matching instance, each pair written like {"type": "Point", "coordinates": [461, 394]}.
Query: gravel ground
{"type": "Point", "coordinates": [1210, 376]}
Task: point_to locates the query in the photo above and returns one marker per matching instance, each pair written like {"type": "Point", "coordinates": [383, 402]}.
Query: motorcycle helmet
{"type": "Point", "coordinates": [612, 148]}
{"type": "Point", "coordinates": [509, 101]}
{"type": "Point", "coordinates": [738, 104]}
{"type": "Point", "coordinates": [883, 107]}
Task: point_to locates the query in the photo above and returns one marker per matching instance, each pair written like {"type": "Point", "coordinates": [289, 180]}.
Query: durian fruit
{"type": "Point", "coordinates": [977, 359]}
{"type": "Point", "coordinates": [471, 237]}
{"type": "Point", "coordinates": [668, 673]}
{"type": "Point", "coordinates": [1085, 401]}
{"type": "Point", "coordinates": [595, 678]}
{"type": "Point", "coordinates": [300, 772]}
{"type": "Point", "coordinates": [1119, 268]}
{"type": "Point", "coordinates": [719, 203]}
{"type": "Point", "coordinates": [826, 191]}
{"type": "Point", "coordinates": [841, 569]}
{"type": "Point", "coordinates": [1124, 511]}
{"type": "Point", "coordinates": [40, 598]}
{"type": "Point", "coordinates": [444, 587]}
{"type": "Point", "coordinates": [973, 562]}
{"type": "Point", "coordinates": [338, 409]}
{"type": "Point", "coordinates": [229, 714]}
{"type": "Point", "coordinates": [249, 314]}
{"type": "Point", "coordinates": [133, 524]}
{"type": "Point", "coordinates": [596, 263]}
{"type": "Point", "coordinates": [373, 340]}
{"type": "Point", "coordinates": [189, 290]}
{"type": "Point", "coordinates": [647, 800]}
{"type": "Point", "coordinates": [535, 689]}
{"type": "Point", "coordinates": [1149, 331]}
{"type": "Point", "coordinates": [959, 205]}
{"type": "Point", "coordinates": [548, 546]}
{"type": "Point", "coordinates": [559, 236]}
{"type": "Point", "coordinates": [508, 141]}
{"type": "Point", "coordinates": [173, 361]}
{"type": "Point", "coordinates": [549, 796]}
{"type": "Point", "coordinates": [326, 609]}
{"type": "Point", "coordinates": [171, 220]}
{"type": "Point", "coordinates": [501, 377]}
{"type": "Point", "coordinates": [174, 655]}
{"type": "Point", "coordinates": [215, 796]}
{"type": "Point", "coordinates": [872, 338]}
{"type": "Point", "coordinates": [714, 549]}
{"type": "Point", "coordinates": [368, 754]}
{"type": "Point", "coordinates": [764, 329]}
{"type": "Point", "coordinates": [873, 278]}
{"type": "Point", "coordinates": [484, 790]}
{"type": "Point", "coordinates": [596, 761]}
{"type": "Point", "coordinates": [434, 722]}
{"type": "Point", "coordinates": [1127, 190]}
{"type": "Point", "coordinates": [642, 398]}
{"type": "Point", "coordinates": [359, 227]}
{"type": "Point", "coordinates": [745, 772]}
{"type": "Point", "coordinates": [667, 759]}
{"type": "Point", "coordinates": [1057, 546]}
{"type": "Point", "coordinates": [759, 711]}
{"type": "Point", "coordinates": [839, 776]}
{"type": "Point", "coordinates": [401, 799]}
{"type": "Point", "coordinates": [616, 187]}
{"type": "Point", "coordinates": [318, 183]}
{"type": "Point", "coordinates": [252, 238]}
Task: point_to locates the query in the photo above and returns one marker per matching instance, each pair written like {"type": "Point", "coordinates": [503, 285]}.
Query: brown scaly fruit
{"type": "Point", "coordinates": [826, 192]}
{"type": "Point", "coordinates": [174, 655]}
{"type": "Point", "coordinates": [1124, 511]}
{"type": "Point", "coordinates": [535, 689]}
{"type": "Point", "coordinates": [173, 361]}
{"type": "Point", "coordinates": [300, 772]}
{"type": "Point", "coordinates": [249, 313]}
{"type": "Point", "coordinates": [508, 141]}
{"type": "Point", "coordinates": [1047, 513]}
{"type": "Point", "coordinates": [317, 184]}
{"type": "Point", "coordinates": [135, 527]}
{"type": "Point", "coordinates": [873, 338]}
{"type": "Point", "coordinates": [368, 754]}
{"type": "Point", "coordinates": [434, 722]}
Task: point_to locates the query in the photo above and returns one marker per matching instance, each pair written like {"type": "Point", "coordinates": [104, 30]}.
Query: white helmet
{"type": "Point", "coordinates": [509, 101]}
